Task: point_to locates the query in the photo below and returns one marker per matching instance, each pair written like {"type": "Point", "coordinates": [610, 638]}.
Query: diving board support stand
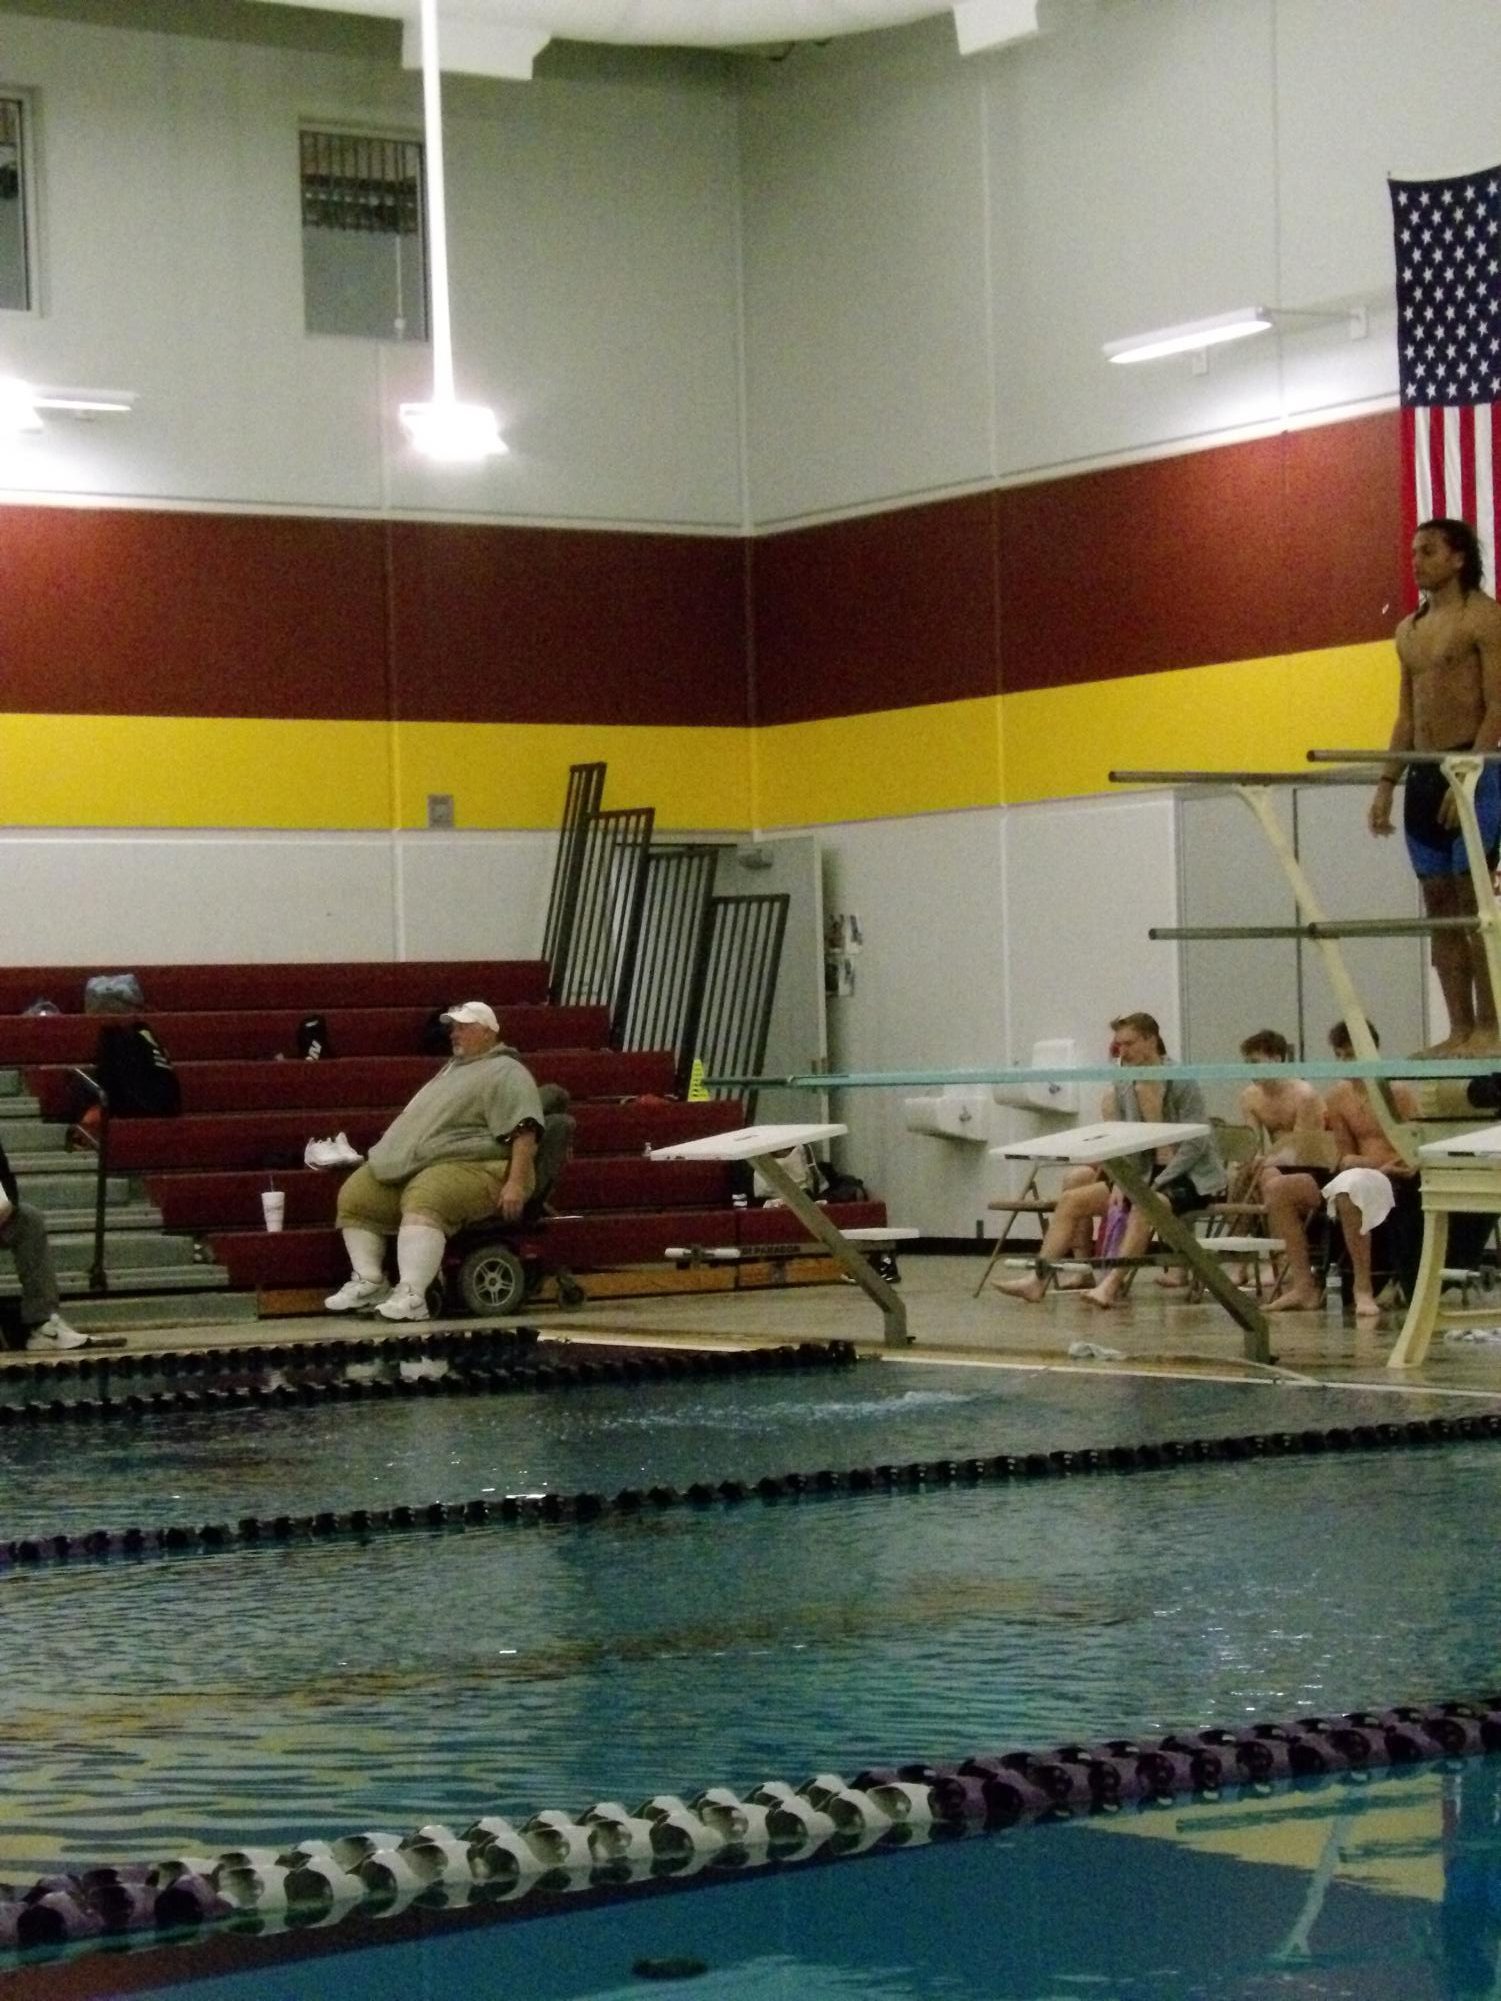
{"type": "Point", "coordinates": [761, 1146]}
{"type": "Point", "coordinates": [1461, 1177]}
{"type": "Point", "coordinates": [1398, 1132]}
{"type": "Point", "coordinates": [1116, 1147]}
{"type": "Point", "coordinates": [1462, 772]}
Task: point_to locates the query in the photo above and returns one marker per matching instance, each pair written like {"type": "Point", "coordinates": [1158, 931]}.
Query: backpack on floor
{"type": "Point", "coordinates": [136, 1073]}
{"type": "Point", "coordinates": [312, 1038]}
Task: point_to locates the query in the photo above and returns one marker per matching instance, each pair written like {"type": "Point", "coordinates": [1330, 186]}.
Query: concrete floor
{"type": "Point", "coordinates": [1153, 1331]}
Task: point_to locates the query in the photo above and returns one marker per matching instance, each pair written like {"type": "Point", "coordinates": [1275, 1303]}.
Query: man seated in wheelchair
{"type": "Point", "coordinates": [463, 1151]}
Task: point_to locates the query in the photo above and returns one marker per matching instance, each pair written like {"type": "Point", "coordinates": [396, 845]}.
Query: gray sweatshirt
{"type": "Point", "coordinates": [1196, 1160]}
{"type": "Point", "coordinates": [469, 1111]}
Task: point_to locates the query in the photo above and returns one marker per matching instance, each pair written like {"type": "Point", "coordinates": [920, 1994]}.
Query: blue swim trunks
{"type": "Point", "coordinates": [1434, 848]}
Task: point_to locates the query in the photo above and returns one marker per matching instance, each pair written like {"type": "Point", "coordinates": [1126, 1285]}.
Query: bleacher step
{"type": "Point", "coordinates": [71, 1164]}
{"type": "Point", "coordinates": [129, 1250]}
{"type": "Point", "coordinates": [62, 1195]}
{"type": "Point", "coordinates": [125, 1312]}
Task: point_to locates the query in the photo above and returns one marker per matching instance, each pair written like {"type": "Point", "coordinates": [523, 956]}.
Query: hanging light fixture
{"type": "Point", "coordinates": [443, 428]}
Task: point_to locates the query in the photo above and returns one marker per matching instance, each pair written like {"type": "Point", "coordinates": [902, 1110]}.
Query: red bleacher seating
{"type": "Point", "coordinates": [247, 1117]}
{"type": "Point", "coordinates": [310, 988]}
{"type": "Point", "coordinates": [224, 1035]}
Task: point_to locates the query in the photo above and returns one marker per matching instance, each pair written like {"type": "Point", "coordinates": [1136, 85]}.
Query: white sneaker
{"type": "Point", "coordinates": [404, 1303]}
{"type": "Point", "coordinates": [355, 1293]}
{"type": "Point", "coordinates": [335, 1152]}
{"type": "Point", "coordinates": [55, 1332]}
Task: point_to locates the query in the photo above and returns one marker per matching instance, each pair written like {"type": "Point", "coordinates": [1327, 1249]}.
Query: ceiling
{"type": "Point", "coordinates": [504, 37]}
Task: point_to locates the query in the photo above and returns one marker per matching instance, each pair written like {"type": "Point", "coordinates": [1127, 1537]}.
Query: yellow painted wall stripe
{"type": "Point", "coordinates": [202, 771]}
{"type": "Point", "coordinates": [933, 759]}
{"type": "Point", "coordinates": [1254, 714]}
{"type": "Point", "coordinates": [1054, 743]}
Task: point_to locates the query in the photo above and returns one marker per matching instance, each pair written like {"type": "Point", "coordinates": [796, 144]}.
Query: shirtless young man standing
{"type": "Point", "coordinates": [1449, 652]}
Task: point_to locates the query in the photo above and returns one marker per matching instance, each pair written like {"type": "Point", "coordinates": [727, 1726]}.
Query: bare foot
{"type": "Point", "coordinates": [1453, 1044]}
{"type": "Point", "coordinates": [1483, 1042]}
{"type": "Point", "coordinates": [1366, 1307]}
{"type": "Point", "coordinates": [1098, 1296]}
{"type": "Point", "coordinates": [1172, 1281]}
{"type": "Point", "coordinates": [1295, 1301]}
{"type": "Point", "coordinates": [1029, 1289]}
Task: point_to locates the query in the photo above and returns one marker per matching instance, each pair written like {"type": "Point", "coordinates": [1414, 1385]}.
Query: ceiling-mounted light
{"type": "Point", "coordinates": [18, 410]}
{"type": "Point", "coordinates": [445, 428]}
{"type": "Point", "coordinates": [455, 432]}
{"type": "Point", "coordinates": [1191, 336]}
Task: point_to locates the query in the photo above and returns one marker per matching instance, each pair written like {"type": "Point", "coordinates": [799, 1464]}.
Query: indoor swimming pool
{"type": "Point", "coordinates": [189, 1703]}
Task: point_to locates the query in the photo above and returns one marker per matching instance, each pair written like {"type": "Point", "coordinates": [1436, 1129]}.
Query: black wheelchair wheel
{"type": "Point", "coordinates": [492, 1279]}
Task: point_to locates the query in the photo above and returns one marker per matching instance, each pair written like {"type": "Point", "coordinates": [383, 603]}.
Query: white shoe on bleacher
{"type": "Point", "coordinates": [336, 1152]}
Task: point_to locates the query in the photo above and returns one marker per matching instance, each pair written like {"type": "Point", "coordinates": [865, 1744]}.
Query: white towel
{"type": "Point", "coordinates": [1369, 1190]}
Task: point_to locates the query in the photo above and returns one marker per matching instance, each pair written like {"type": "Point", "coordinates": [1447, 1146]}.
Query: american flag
{"type": "Point", "coordinates": [1448, 245]}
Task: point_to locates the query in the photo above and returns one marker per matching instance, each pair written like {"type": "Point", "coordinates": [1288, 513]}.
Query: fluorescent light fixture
{"type": "Point", "coordinates": [457, 433]}
{"type": "Point", "coordinates": [1191, 336]}
{"type": "Point", "coordinates": [86, 402]}
{"type": "Point", "coordinates": [444, 429]}
{"type": "Point", "coordinates": [18, 411]}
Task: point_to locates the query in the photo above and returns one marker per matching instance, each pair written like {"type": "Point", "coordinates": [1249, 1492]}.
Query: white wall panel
{"type": "Point", "coordinates": [865, 281]}
{"type": "Point", "coordinates": [141, 898]}
{"type": "Point", "coordinates": [594, 282]}
{"type": "Point", "coordinates": [930, 993]}
{"type": "Point", "coordinates": [1085, 880]}
{"type": "Point", "coordinates": [1134, 188]}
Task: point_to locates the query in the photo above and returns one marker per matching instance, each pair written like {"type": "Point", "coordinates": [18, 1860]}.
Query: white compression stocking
{"type": "Point", "coordinates": [367, 1254]}
{"type": "Point", "coordinates": [419, 1252]}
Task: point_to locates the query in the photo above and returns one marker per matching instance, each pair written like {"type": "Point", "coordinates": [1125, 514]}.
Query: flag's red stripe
{"type": "Point", "coordinates": [1409, 428]}
{"type": "Point", "coordinates": [1437, 486]}
{"type": "Point", "coordinates": [1467, 496]}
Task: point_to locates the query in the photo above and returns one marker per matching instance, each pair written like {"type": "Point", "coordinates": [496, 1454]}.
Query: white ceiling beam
{"type": "Point", "coordinates": [991, 24]}
{"type": "Point", "coordinates": [479, 45]}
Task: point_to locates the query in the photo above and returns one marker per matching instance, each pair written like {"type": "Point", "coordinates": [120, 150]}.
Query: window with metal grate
{"type": "Point", "coordinates": [15, 248]}
{"type": "Point", "coordinates": [364, 236]}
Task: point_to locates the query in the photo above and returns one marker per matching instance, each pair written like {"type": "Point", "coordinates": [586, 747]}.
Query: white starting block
{"type": "Point", "coordinates": [1116, 1146]}
{"type": "Point", "coordinates": [1460, 1177]}
{"type": "Point", "coordinates": [762, 1146]}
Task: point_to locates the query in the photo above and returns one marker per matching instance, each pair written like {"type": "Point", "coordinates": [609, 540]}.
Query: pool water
{"type": "Point", "coordinates": [275, 1692]}
{"type": "Point", "coordinates": [1336, 1890]}
{"type": "Point", "coordinates": [193, 1467]}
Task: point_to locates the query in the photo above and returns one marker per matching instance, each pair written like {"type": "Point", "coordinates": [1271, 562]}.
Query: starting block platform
{"type": "Point", "coordinates": [762, 1147]}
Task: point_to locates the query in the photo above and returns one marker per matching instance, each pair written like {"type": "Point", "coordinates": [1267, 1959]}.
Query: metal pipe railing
{"type": "Point", "coordinates": [98, 1276]}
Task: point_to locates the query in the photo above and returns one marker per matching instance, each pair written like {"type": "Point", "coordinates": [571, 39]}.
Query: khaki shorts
{"type": "Point", "coordinates": [455, 1191]}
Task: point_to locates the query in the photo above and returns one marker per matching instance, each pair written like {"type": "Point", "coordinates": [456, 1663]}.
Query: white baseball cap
{"type": "Point", "coordinates": [480, 1013]}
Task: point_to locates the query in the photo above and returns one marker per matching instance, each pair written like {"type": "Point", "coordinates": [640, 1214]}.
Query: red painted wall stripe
{"type": "Point", "coordinates": [1279, 545]}
{"type": "Point", "coordinates": [566, 626]}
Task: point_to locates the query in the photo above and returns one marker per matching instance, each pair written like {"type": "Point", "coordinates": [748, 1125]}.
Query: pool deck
{"type": "Point", "coordinates": [1153, 1332]}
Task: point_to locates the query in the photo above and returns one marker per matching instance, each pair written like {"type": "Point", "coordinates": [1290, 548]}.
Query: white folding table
{"type": "Point", "coordinates": [761, 1145]}
{"type": "Point", "coordinates": [1116, 1147]}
